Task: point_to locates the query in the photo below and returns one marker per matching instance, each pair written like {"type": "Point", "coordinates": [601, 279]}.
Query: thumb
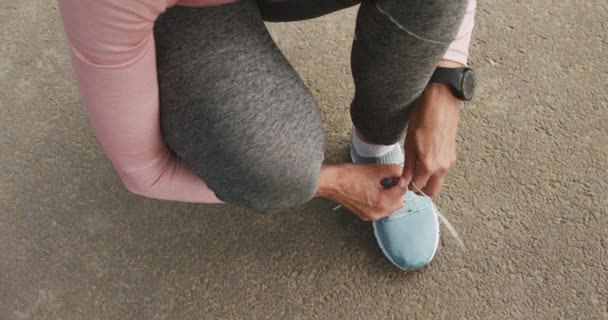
{"type": "Point", "coordinates": [394, 185]}
{"type": "Point", "coordinates": [395, 195]}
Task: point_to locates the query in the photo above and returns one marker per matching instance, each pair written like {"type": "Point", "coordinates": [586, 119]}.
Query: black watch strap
{"type": "Point", "coordinates": [451, 76]}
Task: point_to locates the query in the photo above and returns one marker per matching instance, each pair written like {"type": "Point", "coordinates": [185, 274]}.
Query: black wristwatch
{"type": "Point", "coordinates": [461, 80]}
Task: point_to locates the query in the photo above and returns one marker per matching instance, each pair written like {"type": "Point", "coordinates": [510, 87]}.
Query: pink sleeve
{"type": "Point", "coordinates": [459, 48]}
{"type": "Point", "coordinates": [113, 56]}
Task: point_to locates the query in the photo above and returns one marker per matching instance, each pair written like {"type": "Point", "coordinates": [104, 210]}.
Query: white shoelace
{"type": "Point", "coordinates": [444, 220]}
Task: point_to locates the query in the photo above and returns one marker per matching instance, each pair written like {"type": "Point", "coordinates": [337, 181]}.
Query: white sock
{"type": "Point", "coordinates": [370, 150]}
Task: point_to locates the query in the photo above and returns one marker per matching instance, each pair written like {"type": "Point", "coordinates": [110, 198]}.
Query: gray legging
{"type": "Point", "coordinates": [235, 110]}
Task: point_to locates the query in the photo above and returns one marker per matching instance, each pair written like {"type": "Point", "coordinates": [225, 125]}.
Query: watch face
{"type": "Point", "coordinates": [468, 84]}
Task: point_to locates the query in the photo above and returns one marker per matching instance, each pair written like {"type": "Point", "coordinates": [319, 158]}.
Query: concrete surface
{"type": "Point", "coordinates": [528, 193]}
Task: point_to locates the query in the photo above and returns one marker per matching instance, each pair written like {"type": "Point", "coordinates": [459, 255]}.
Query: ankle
{"type": "Point", "coordinates": [367, 149]}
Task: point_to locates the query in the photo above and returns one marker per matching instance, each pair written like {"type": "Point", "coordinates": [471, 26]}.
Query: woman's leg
{"type": "Point", "coordinates": [396, 49]}
{"type": "Point", "coordinates": [234, 109]}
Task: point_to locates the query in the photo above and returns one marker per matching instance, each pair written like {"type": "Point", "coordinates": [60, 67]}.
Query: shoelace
{"type": "Point", "coordinates": [443, 219]}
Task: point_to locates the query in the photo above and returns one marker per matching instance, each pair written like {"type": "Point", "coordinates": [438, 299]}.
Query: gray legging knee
{"type": "Point", "coordinates": [233, 108]}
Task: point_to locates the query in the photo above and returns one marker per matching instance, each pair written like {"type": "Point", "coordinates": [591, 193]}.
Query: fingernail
{"type": "Point", "coordinates": [402, 183]}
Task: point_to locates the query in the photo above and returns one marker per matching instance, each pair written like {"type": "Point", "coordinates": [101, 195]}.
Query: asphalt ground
{"type": "Point", "coordinates": [528, 192]}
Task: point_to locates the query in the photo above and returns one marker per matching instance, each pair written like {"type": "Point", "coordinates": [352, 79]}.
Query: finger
{"type": "Point", "coordinates": [396, 192]}
{"type": "Point", "coordinates": [421, 177]}
{"type": "Point", "coordinates": [409, 166]}
{"type": "Point", "coordinates": [393, 200]}
{"type": "Point", "coordinates": [377, 214]}
{"type": "Point", "coordinates": [389, 175]}
{"type": "Point", "coordinates": [433, 186]}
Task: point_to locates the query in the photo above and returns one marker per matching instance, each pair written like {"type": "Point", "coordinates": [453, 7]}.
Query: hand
{"type": "Point", "coordinates": [430, 143]}
{"type": "Point", "coordinates": [358, 188]}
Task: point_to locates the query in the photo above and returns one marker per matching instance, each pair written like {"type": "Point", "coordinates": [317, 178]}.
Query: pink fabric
{"type": "Point", "coordinates": [459, 48]}
{"type": "Point", "coordinates": [112, 49]}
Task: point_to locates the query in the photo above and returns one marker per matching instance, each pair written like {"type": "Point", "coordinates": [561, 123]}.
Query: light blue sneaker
{"type": "Point", "coordinates": [409, 237]}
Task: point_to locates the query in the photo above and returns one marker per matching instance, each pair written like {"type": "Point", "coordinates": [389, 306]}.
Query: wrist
{"type": "Point", "coordinates": [460, 79]}
{"type": "Point", "coordinates": [441, 91]}
{"type": "Point", "coordinates": [328, 181]}
{"type": "Point", "coordinates": [438, 90]}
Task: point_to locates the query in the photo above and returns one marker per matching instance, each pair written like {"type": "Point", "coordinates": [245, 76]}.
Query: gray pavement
{"type": "Point", "coordinates": [528, 193]}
